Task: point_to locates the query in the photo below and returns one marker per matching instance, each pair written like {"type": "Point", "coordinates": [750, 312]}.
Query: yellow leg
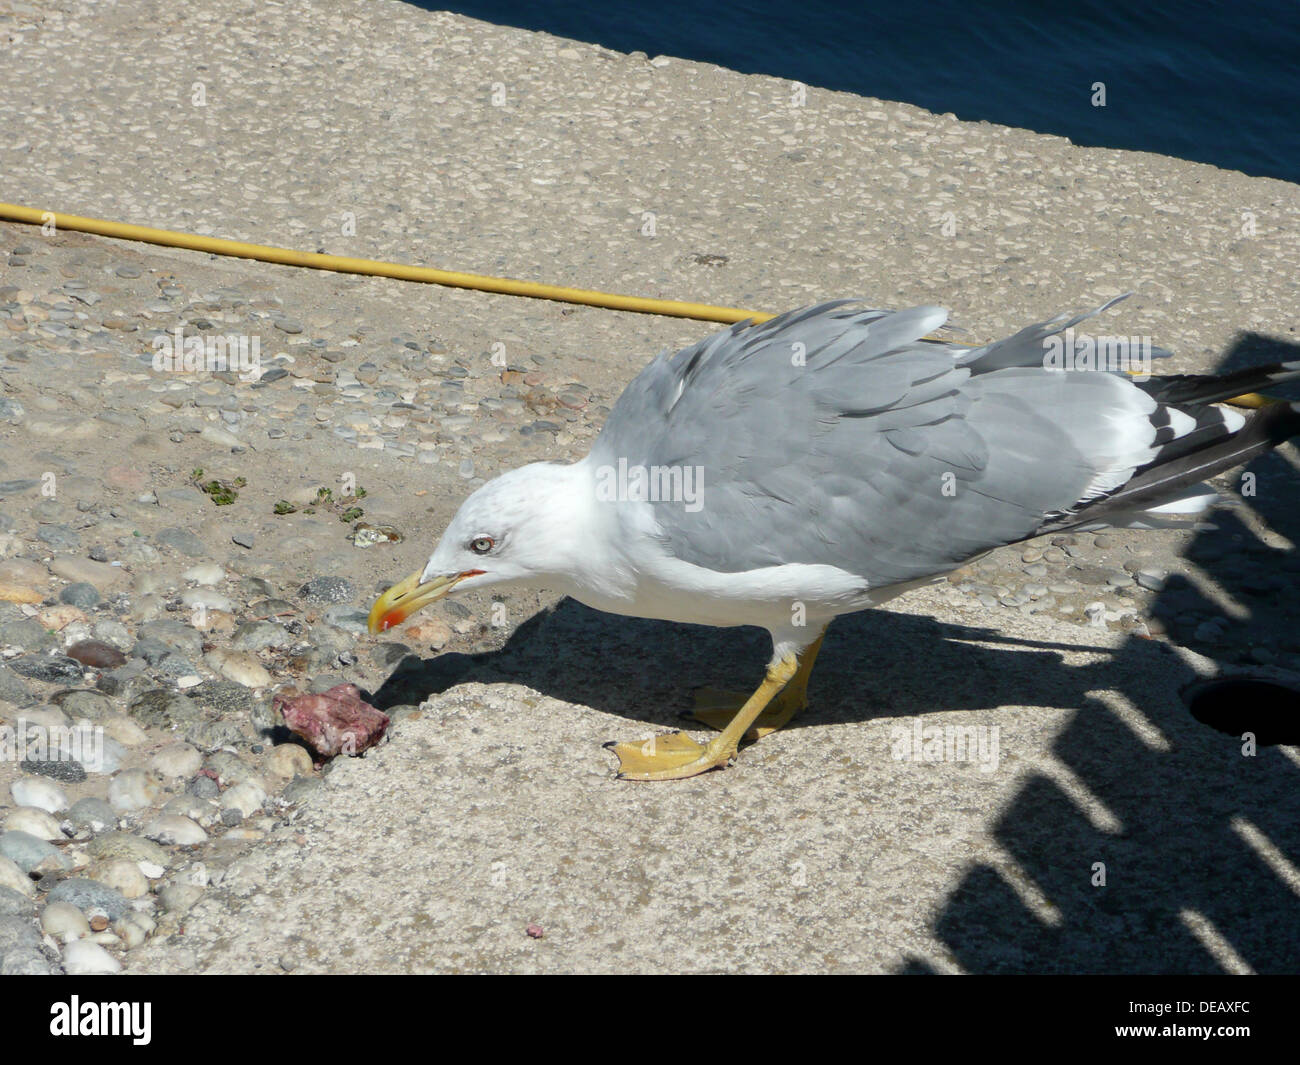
{"type": "Point", "coordinates": [677, 755]}
{"type": "Point", "coordinates": [716, 708]}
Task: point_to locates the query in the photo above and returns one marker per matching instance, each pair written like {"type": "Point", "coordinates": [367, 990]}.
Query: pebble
{"type": "Point", "coordinates": [113, 633]}
{"type": "Point", "coordinates": [240, 667]}
{"type": "Point", "coordinates": [246, 797]}
{"type": "Point", "coordinates": [327, 590]}
{"type": "Point", "coordinates": [134, 929]}
{"type": "Point", "coordinates": [288, 760]}
{"type": "Point", "coordinates": [203, 812]}
{"type": "Point", "coordinates": [32, 854]}
{"type": "Point", "coordinates": [132, 790]}
{"type": "Point", "coordinates": [124, 731]}
{"type": "Point", "coordinates": [66, 770]}
{"type": "Point", "coordinates": [14, 879]}
{"type": "Point", "coordinates": [49, 669]}
{"type": "Point", "coordinates": [151, 857]}
{"type": "Point", "coordinates": [160, 708]}
{"type": "Point", "coordinates": [81, 595]}
{"type": "Point", "coordinates": [124, 877]}
{"type": "Point", "coordinates": [95, 654]}
{"type": "Point", "coordinates": [176, 761]}
{"type": "Point", "coordinates": [1209, 631]}
{"type": "Point", "coordinates": [203, 787]}
{"type": "Point", "coordinates": [64, 922]}
{"type": "Point", "coordinates": [33, 821]}
{"type": "Point", "coordinates": [42, 794]}
{"type": "Point", "coordinates": [1152, 579]}
{"type": "Point", "coordinates": [174, 829]}
{"type": "Point", "coordinates": [90, 896]}
{"type": "Point", "coordinates": [82, 957]}
{"type": "Point", "coordinates": [207, 599]}
{"type": "Point", "coordinates": [87, 571]}
{"type": "Point", "coordinates": [93, 814]}
{"type": "Point", "coordinates": [183, 541]}
{"type": "Point", "coordinates": [205, 573]}
{"type": "Point", "coordinates": [259, 635]}
{"type": "Point", "coordinates": [179, 898]}
{"type": "Point", "coordinates": [61, 537]}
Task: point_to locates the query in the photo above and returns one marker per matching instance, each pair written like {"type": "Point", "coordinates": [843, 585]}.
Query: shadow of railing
{"type": "Point", "coordinates": [1189, 856]}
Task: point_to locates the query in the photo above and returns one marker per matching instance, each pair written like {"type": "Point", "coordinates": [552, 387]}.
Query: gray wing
{"type": "Point", "coordinates": [847, 437]}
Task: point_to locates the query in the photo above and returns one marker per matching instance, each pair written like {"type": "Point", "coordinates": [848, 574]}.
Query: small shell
{"type": "Point", "coordinates": [364, 535]}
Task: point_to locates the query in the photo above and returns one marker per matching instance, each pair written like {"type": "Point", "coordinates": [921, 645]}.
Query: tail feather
{"type": "Point", "coordinates": [1182, 389]}
{"type": "Point", "coordinates": [1177, 478]}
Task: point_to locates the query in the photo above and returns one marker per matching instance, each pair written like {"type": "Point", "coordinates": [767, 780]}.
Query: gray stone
{"type": "Point", "coordinates": [225, 697]}
{"type": "Point", "coordinates": [27, 633]}
{"type": "Point", "coordinates": [92, 813]}
{"type": "Point", "coordinates": [259, 635]}
{"type": "Point", "coordinates": [81, 595]}
{"type": "Point", "coordinates": [13, 690]}
{"type": "Point", "coordinates": [183, 541]}
{"type": "Point", "coordinates": [128, 846]}
{"type": "Point", "coordinates": [175, 634]}
{"type": "Point", "coordinates": [203, 787]}
{"type": "Point", "coordinates": [83, 704]}
{"type": "Point", "coordinates": [58, 536]}
{"type": "Point", "coordinates": [90, 896]}
{"type": "Point", "coordinates": [22, 952]}
{"type": "Point", "coordinates": [349, 619]}
{"type": "Point", "coordinates": [31, 853]}
{"type": "Point", "coordinates": [211, 734]}
{"type": "Point", "coordinates": [328, 590]}
{"type": "Point", "coordinates": [163, 708]}
{"type": "Point", "coordinates": [13, 904]}
{"type": "Point", "coordinates": [299, 789]}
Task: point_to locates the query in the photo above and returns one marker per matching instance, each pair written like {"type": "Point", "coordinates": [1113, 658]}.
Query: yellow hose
{"type": "Point", "coordinates": [705, 312]}
{"type": "Point", "coordinates": [346, 265]}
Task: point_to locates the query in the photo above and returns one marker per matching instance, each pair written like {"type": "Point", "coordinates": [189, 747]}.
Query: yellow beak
{"type": "Point", "coordinates": [407, 596]}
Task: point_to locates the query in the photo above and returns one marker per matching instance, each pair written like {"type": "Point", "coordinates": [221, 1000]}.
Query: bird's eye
{"type": "Point", "coordinates": [481, 545]}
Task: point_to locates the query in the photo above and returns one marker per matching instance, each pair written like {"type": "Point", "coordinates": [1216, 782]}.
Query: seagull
{"type": "Point", "coordinates": [822, 462]}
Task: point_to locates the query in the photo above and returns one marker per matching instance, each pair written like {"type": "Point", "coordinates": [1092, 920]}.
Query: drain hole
{"type": "Point", "coordinates": [1235, 705]}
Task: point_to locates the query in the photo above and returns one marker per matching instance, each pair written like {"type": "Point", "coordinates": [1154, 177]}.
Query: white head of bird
{"type": "Point", "coordinates": [524, 527]}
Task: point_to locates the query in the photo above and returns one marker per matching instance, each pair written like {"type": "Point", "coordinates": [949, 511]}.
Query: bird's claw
{"type": "Point", "coordinates": [670, 757]}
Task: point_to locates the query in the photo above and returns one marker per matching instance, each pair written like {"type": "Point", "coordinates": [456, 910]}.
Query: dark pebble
{"type": "Point", "coordinates": [204, 787]}
{"type": "Point", "coordinates": [97, 654]}
{"type": "Point", "coordinates": [52, 669]}
{"type": "Point", "coordinates": [66, 770]}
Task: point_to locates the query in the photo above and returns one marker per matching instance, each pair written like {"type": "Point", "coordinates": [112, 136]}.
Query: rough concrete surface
{"type": "Point", "coordinates": [473, 147]}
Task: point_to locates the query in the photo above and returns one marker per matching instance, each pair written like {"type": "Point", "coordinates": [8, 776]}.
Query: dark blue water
{"type": "Point", "coordinates": [1201, 79]}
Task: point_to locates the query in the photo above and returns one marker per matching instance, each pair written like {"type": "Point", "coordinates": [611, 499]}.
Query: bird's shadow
{"type": "Point", "coordinates": [644, 670]}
